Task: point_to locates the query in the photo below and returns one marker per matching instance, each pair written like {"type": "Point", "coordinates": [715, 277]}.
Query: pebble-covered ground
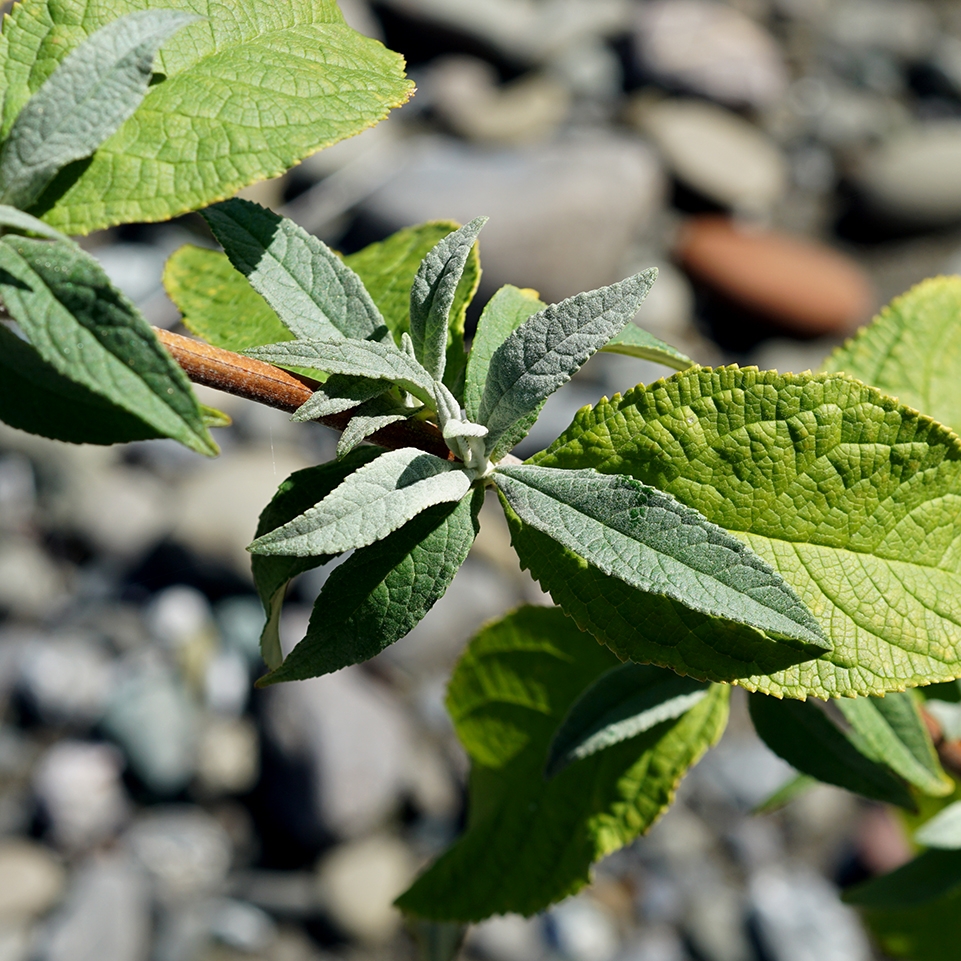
{"type": "Point", "coordinates": [789, 165]}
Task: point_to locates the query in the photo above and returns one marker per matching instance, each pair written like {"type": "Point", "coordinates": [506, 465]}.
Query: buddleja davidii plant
{"type": "Point", "coordinates": [94, 135]}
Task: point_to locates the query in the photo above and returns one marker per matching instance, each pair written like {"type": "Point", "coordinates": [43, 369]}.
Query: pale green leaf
{"type": "Point", "coordinates": [368, 419]}
{"type": "Point", "coordinates": [943, 830]}
{"type": "Point", "coordinates": [356, 358]}
{"type": "Point", "coordinates": [88, 332]}
{"type": "Point", "coordinates": [96, 87]}
{"type": "Point", "coordinates": [637, 342]}
{"type": "Point", "coordinates": [244, 95]}
{"type": "Point", "coordinates": [214, 418]}
{"type": "Point", "coordinates": [804, 736]}
{"type": "Point", "coordinates": [298, 493]}
{"type": "Point", "coordinates": [18, 220]}
{"type": "Point", "coordinates": [793, 788]}
{"type": "Point", "coordinates": [383, 591]}
{"type": "Point", "coordinates": [432, 295]}
{"type": "Point", "coordinates": [912, 350]}
{"type": "Point", "coordinates": [370, 503]}
{"type": "Point", "coordinates": [850, 496]}
{"type": "Point", "coordinates": [545, 351]}
{"type": "Point", "coordinates": [653, 543]}
{"type": "Point", "coordinates": [339, 393]}
{"type": "Point", "coordinates": [530, 841]}
{"type": "Point", "coordinates": [502, 315]}
{"type": "Point", "coordinates": [314, 293]}
{"type": "Point", "coordinates": [217, 302]}
{"type": "Point", "coordinates": [893, 732]}
{"type": "Point", "coordinates": [625, 701]}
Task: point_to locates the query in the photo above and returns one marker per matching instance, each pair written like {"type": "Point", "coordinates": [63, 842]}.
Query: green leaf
{"type": "Point", "coordinates": [217, 302]}
{"type": "Point", "coordinates": [912, 350]}
{"type": "Point", "coordinates": [637, 342]}
{"type": "Point", "coordinates": [793, 788]}
{"type": "Point", "coordinates": [18, 220]}
{"type": "Point", "coordinates": [502, 315]}
{"type": "Point", "coordinates": [315, 294]}
{"type": "Point", "coordinates": [626, 701]}
{"type": "Point", "coordinates": [214, 418]}
{"type": "Point", "coordinates": [892, 729]}
{"type": "Point", "coordinates": [96, 87]}
{"type": "Point", "coordinates": [432, 295]}
{"type": "Point", "coordinates": [529, 841]}
{"type": "Point", "coordinates": [381, 592]}
{"type": "Point", "coordinates": [656, 544]}
{"type": "Point", "coordinates": [355, 358]}
{"type": "Point", "coordinates": [298, 493]}
{"type": "Point", "coordinates": [545, 351]}
{"type": "Point", "coordinates": [88, 332]}
{"type": "Point", "coordinates": [388, 268]}
{"type": "Point", "coordinates": [368, 419]}
{"type": "Point", "coordinates": [943, 830]}
{"type": "Point", "coordinates": [850, 496]}
{"type": "Point", "coordinates": [243, 95]}
{"type": "Point", "coordinates": [804, 736]}
{"type": "Point", "coordinates": [340, 393]}
{"type": "Point", "coordinates": [373, 501]}
{"type": "Point", "coordinates": [915, 912]}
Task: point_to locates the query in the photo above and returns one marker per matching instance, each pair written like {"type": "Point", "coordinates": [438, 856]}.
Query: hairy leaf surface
{"type": "Point", "coordinates": [245, 94]}
{"type": "Point", "coordinates": [623, 702]}
{"type": "Point", "coordinates": [850, 496]}
{"type": "Point", "coordinates": [383, 591]}
{"type": "Point", "coordinates": [912, 350]}
{"type": "Point", "coordinates": [301, 491]}
{"type": "Point", "coordinates": [84, 101]}
{"type": "Point", "coordinates": [88, 332]}
{"type": "Point", "coordinates": [368, 419]}
{"type": "Point", "coordinates": [369, 504]}
{"type": "Point", "coordinates": [338, 394]}
{"type": "Point", "coordinates": [943, 830]}
{"type": "Point", "coordinates": [810, 741]}
{"type": "Point", "coordinates": [25, 223]}
{"type": "Point", "coordinates": [636, 342]}
{"type": "Point", "coordinates": [530, 841]}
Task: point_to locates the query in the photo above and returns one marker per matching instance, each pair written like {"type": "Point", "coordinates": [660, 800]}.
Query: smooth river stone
{"type": "Point", "coordinates": [800, 286]}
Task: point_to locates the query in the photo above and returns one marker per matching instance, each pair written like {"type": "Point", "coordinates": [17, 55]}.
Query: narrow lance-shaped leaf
{"type": "Point", "coordinates": [25, 223]}
{"type": "Point", "coordinates": [315, 294]}
{"type": "Point", "coordinates": [340, 393]}
{"type": "Point", "coordinates": [298, 493]}
{"type": "Point", "coordinates": [892, 729]}
{"type": "Point", "coordinates": [89, 332]}
{"type": "Point", "coordinates": [626, 701]}
{"type": "Point", "coordinates": [368, 419]}
{"type": "Point", "coordinates": [850, 496]}
{"type": "Point", "coordinates": [369, 504]}
{"type": "Point", "coordinates": [432, 295]}
{"type": "Point", "coordinates": [531, 841]}
{"type": "Point", "coordinates": [653, 543]}
{"type": "Point", "coordinates": [636, 342]}
{"type": "Point", "coordinates": [810, 741]}
{"type": "Point", "coordinates": [96, 87]}
{"type": "Point", "coordinates": [943, 830]}
{"type": "Point", "coordinates": [548, 349]}
{"type": "Point", "coordinates": [383, 591]}
{"type": "Point", "coordinates": [357, 358]}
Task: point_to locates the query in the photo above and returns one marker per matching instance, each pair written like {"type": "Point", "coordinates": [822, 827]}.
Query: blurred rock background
{"type": "Point", "coordinates": [789, 165]}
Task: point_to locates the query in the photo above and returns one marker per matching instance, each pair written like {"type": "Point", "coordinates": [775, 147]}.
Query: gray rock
{"type": "Point", "coordinates": [31, 881]}
{"type": "Point", "coordinates": [227, 683]}
{"type": "Point", "coordinates": [240, 621]}
{"type": "Point", "coordinates": [718, 153]}
{"type": "Point", "coordinates": [562, 215]}
{"type": "Point", "coordinates": [16, 942]}
{"type": "Point", "coordinates": [655, 943]}
{"type": "Point", "coordinates": [177, 615]}
{"type": "Point", "coordinates": [710, 49]}
{"type": "Point", "coordinates": [106, 916]}
{"type": "Point", "coordinates": [580, 930]}
{"type": "Point", "coordinates": [228, 756]}
{"type": "Point", "coordinates": [78, 786]}
{"type": "Point", "coordinates": [906, 28]}
{"type": "Point", "coordinates": [32, 585]}
{"type": "Point", "coordinates": [18, 493]}
{"type": "Point", "coordinates": [508, 937]}
{"type": "Point", "coordinates": [242, 926]}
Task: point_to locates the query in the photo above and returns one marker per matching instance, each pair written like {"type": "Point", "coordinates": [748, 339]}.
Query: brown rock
{"type": "Point", "coordinates": [801, 286]}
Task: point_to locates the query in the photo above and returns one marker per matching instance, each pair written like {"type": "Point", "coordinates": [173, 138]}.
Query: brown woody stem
{"type": "Point", "coordinates": [273, 387]}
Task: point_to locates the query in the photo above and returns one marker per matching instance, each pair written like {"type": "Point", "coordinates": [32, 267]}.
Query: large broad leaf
{"type": "Point", "coordinates": [217, 302]}
{"type": "Point", "coordinates": [89, 333]}
{"type": "Point", "coordinates": [652, 543]}
{"type": "Point", "coordinates": [626, 701]}
{"type": "Point", "coordinates": [530, 841]}
{"type": "Point", "coordinates": [298, 493]}
{"type": "Point", "coordinates": [388, 268]}
{"type": "Point", "coordinates": [636, 342]}
{"type": "Point", "coordinates": [370, 503]}
{"type": "Point", "coordinates": [545, 351]}
{"type": "Point", "coordinates": [852, 497]}
{"type": "Point", "coordinates": [314, 293]}
{"type": "Point", "coordinates": [892, 729]}
{"type": "Point", "coordinates": [432, 295]}
{"type": "Point", "coordinates": [383, 591]}
{"type": "Point", "coordinates": [915, 912]}
{"type": "Point", "coordinates": [83, 102]}
{"type": "Point", "coordinates": [810, 741]}
{"type": "Point", "coordinates": [912, 350]}
{"type": "Point", "coordinates": [243, 96]}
